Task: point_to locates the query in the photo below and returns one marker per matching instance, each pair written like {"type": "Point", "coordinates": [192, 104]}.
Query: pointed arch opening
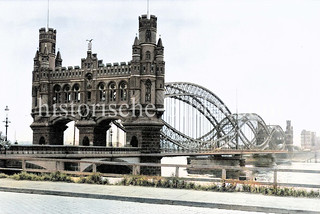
{"type": "Point", "coordinates": [123, 91]}
{"type": "Point", "coordinates": [35, 95]}
{"type": "Point", "coordinates": [112, 92]}
{"type": "Point", "coordinates": [71, 134]}
{"type": "Point", "coordinates": [57, 94]}
{"type": "Point", "coordinates": [116, 135]}
{"type": "Point", "coordinates": [67, 93]}
{"type": "Point", "coordinates": [102, 92]}
{"type": "Point", "coordinates": [148, 35]}
{"type": "Point", "coordinates": [148, 91]}
{"type": "Point", "coordinates": [148, 55]}
{"type": "Point", "coordinates": [76, 92]}
{"type": "Point", "coordinates": [42, 141]}
{"type": "Point", "coordinates": [134, 141]}
{"type": "Point", "coordinates": [85, 141]}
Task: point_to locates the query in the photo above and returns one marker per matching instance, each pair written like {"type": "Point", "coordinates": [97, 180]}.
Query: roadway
{"type": "Point", "coordinates": [68, 198]}
{"type": "Point", "coordinates": [31, 203]}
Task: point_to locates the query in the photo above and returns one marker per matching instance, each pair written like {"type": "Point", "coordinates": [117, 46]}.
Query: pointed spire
{"type": "Point", "coordinates": [58, 55]}
{"type": "Point", "coordinates": [160, 42]}
{"type": "Point", "coordinates": [36, 57]}
{"type": "Point", "coordinates": [136, 41]}
{"type": "Point", "coordinates": [58, 60]}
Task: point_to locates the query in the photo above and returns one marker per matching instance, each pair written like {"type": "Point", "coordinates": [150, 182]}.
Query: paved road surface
{"type": "Point", "coordinates": [21, 203]}
{"type": "Point", "coordinates": [59, 195]}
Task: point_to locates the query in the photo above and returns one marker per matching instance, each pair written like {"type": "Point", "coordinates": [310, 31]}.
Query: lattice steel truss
{"type": "Point", "coordinates": [226, 130]}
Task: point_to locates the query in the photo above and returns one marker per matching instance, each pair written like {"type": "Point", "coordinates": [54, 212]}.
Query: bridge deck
{"type": "Point", "coordinates": [106, 152]}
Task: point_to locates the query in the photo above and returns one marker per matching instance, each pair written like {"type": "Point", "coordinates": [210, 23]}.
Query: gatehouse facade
{"type": "Point", "coordinates": [95, 94]}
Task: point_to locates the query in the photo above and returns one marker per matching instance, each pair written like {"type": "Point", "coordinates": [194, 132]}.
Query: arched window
{"type": "Point", "coordinates": [148, 55]}
{"type": "Point", "coordinates": [67, 93]}
{"type": "Point", "coordinates": [57, 94]}
{"type": "Point", "coordinates": [134, 141]}
{"type": "Point", "coordinates": [148, 91]}
{"type": "Point", "coordinates": [42, 141]}
{"type": "Point", "coordinates": [148, 36]}
{"type": "Point", "coordinates": [112, 92]}
{"type": "Point", "coordinates": [36, 100]}
{"type": "Point", "coordinates": [123, 91]}
{"type": "Point", "coordinates": [76, 93]}
{"type": "Point", "coordinates": [85, 141]}
{"type": "Point", "coordinates": [102, 92]}
{"type": "Point", "coordinates": [35, 95]}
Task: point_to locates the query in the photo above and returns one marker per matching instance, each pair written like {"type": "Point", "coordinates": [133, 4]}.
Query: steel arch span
{"type": "Point", "coordinates": [195, 119]}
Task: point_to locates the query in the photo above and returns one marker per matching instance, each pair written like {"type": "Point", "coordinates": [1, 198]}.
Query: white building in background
{"type": "Point", "coordinates": [308, 140]}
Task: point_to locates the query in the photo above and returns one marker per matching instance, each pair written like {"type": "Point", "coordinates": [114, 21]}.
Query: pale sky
{"type": "Point", "coordinates": [267, 52]}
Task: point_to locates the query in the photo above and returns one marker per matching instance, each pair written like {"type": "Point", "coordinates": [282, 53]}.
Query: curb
{"type": "Point", "coordinates": [156, 201]}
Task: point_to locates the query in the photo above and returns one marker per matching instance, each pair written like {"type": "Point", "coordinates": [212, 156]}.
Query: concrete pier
{"type": "Point", "coordinates": [218, 160]}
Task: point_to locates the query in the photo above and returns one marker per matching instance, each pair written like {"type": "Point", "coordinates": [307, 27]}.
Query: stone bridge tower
{"type": "Point", "coordinates": [96, 94]}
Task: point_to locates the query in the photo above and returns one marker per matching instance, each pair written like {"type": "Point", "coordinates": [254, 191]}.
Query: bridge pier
{"type": "Point", "coordinates": [218, 160]}
{"type": "Point", "coordinates": [48, 135]}
{"type": "Point", "coordinates": [147, 137]}
{"type": "Point", "coordinates": [263, 160]}
{"type": "Point", "coordinates": [86, 132]}
{"type": "Point", "coordinates": [100, 138]}
{"type": "Point", "coordinates": [91, 134]}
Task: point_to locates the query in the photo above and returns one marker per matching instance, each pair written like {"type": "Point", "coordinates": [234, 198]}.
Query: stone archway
{"type": "Point", "coordinates": [59, 127]}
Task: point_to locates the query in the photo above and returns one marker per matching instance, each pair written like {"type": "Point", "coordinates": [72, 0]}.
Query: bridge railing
{"type": "Point", "coordinates": [220, 150]}
{"type": "Point", "coordinates": [56, 149]}
{"type": "Point", "coordinates": [59, 166]}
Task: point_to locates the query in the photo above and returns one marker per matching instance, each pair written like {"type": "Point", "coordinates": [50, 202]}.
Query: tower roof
{"type": "Point", "coordinates": [58, 55]}
{"type": "Point", "coordinates": [136, 41]}
{"type": "Point", "coordinates": [37, 55]}
{"type": "Point", "coordinates": [160, 43]}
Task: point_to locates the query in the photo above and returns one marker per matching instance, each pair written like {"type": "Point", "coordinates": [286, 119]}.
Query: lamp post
{"type": "Point", "coordinates": [110, 139]}
{"type": "Point", "coordinates": [6, 144]}
{"type": "Point", "coordinates": [6, 122]}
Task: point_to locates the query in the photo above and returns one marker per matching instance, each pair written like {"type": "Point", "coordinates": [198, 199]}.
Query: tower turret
{"type": "Point", "coordinates": [136, 49]}
{"type": "Point", "coordinates": [148, 29]}
{"type": "Point", "coordinates": [58, 60]}
{"type": "Point", "coordinates": [45, 58]}
{"type": "Point", "coordinates": [159, 51]}
{"type": "Point", "coordinates": [44, 64]}
{"type": "Point", "coordinates": [36, 61]}
{"type": "Point", "coordinates": [47, 45]}
{"type": "Point", "coordinates": [147, 39]}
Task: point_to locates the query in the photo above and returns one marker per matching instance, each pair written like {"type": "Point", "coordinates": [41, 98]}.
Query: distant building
{"type": "Point", "coordinates": [308, 139]}
{"type": "Point", "coordinates": [289, 135]}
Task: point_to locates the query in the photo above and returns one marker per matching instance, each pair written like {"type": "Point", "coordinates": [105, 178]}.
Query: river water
{"type": "Point", "coordinates": [260, 175]}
